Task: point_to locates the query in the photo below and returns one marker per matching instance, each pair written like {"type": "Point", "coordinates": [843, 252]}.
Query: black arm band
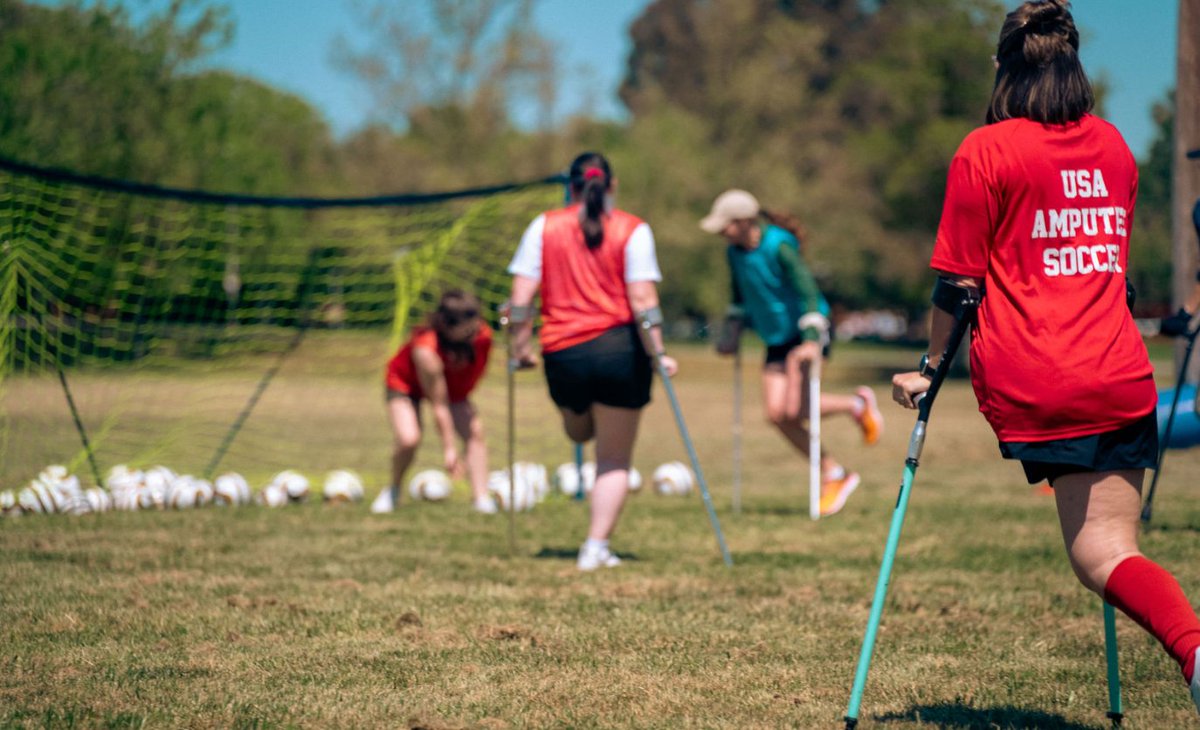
{"type": "Point", "coordinates": [1198, 276]}
{"type": "Point", "coordinates": [949, 297]}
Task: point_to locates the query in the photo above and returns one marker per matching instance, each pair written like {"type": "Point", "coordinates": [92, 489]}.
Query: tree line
{"type": "Point", "coordinates": [843, 112]}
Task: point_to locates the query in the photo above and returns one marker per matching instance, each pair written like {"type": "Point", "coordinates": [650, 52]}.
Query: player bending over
{"type": "Point", "coordinates": [442, 363]}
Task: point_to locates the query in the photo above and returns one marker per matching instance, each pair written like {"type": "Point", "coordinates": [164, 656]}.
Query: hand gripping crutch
{"type": "Point", "coordinates": [646, 321]}
{"type": "Point", "coordinates": [964, 317]}
{"type": "Point", "coordinates": [1114, 669]}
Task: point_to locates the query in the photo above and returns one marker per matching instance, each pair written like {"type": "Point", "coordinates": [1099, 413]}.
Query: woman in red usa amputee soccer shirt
{"type": "Point", "coordinates": [596, 268]}
{"type": "Point", "coordinates": [1038, 212]}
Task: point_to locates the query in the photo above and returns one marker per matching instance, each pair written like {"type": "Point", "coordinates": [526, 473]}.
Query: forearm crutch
{"type": "Point", "coordinates": [1148, 508]}
{"type": "Point", "coordinates": [964, 317]}
{"type": "Point", "coordinates": [581, 488]}
{"type": "Point", "coordinates": [737, 431]}
{"type": "Point", "coordinates": [814, 438]}
{"type": "Point", "coordinates": [508, 318]}
{"type": "Point", "coordinates": [646, 321]}
{"type": "Point", "coordinates": [1114, 669]}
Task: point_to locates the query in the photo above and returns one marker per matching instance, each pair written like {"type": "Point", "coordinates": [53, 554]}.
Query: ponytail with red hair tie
{"type": "Point", "coordinates": [593, 172]}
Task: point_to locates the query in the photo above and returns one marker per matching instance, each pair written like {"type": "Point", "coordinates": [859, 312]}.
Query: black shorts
{"type": "Point", "coordinates": [777, 354]}
{"type": "Point", "coordinates": [612, 369]}
{"type": "Point", "coordinates": [1129, 447]}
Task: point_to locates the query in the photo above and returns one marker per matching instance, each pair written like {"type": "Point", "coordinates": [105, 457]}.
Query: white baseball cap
{"type": "Point", "coordinates": [730, 206]}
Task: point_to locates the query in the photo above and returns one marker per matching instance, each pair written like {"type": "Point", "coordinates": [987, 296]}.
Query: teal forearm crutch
{"type": "Point", "coordinates": [647, 321]}
{"type": "Point", "coordinates": [964, 316]}
{"type": "Point", "coordinates": [1114, 671]}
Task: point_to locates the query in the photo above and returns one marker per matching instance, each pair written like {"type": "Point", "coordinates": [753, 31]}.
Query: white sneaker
{"type": "Point", "coordinates": [485, 505]}
{"type": "Point", "coordinates": [386, 501]}
{"type": "Point", "coordinates": [592, 558]}
{"type": "Point", "coordinates": [1196, 680]}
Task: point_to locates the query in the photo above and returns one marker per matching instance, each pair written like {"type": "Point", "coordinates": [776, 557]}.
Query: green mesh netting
{"type": "Point", "coordinates": [211, 333]}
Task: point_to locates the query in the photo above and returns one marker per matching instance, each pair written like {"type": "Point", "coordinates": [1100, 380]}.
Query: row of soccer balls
{"type": "Point", "coordinates": [673, 478]}
{"type": "Point", "coordinates": [55, 490]}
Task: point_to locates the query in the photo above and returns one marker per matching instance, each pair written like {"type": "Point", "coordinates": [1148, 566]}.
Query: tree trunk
{"type": "Point", "coordinates": [1185, 181]}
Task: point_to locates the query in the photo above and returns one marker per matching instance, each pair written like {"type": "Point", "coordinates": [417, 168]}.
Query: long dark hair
{"type": "Point", "coordinates": [591, 180]}
{"type": "Point", "coordinates": [787, 222]}
{"type": "Point", "coordinates": [1038, 75]}
{"type": "Point", "coordinates": [456, 322]}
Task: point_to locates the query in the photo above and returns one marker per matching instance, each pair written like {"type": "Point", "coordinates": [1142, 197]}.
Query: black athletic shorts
{"type": "Point", "coordinates": [777, 354]}
{"type": "Point", "coordinates": [612, 369]}
{"type": "Point", "coordinates": [1129, 447]}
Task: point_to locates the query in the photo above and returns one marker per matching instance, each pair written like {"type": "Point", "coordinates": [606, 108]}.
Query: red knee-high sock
{"type": "Point", "coordinates": [1151, 596]}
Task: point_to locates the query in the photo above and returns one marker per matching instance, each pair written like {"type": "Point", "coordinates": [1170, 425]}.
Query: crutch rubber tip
{"type": "Point", "coordinates": [1116, 718]}
{"type": "Point", "coordinates": [1146, 513]}
{"type": "Point", "coordinates": [851, 723]}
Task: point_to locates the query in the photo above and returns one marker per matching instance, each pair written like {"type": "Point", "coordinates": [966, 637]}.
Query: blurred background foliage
{"type": "Point", "coordinates": [842, 111]}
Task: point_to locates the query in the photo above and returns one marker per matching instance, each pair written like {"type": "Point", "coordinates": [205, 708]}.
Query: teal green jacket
{"type": "Point", "coordinates": [774, 288]}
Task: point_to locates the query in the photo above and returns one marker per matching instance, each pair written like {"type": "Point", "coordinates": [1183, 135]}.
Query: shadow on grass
{"type": "Point", "coordinates": [778, 510]}
{"type": "Point", "coordinates": [560, 553]}
{"type": "Point", "coordinates": [777, 559]}
{"type": "Point", "coordinates": [951, 716]}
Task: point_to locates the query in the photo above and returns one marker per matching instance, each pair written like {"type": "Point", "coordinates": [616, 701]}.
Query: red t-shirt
{"type": "Point", "coordinates": [583, 289]}
{"type": "Point", "coordinates": [1042, 215]}
{"type": "Point", "coordinates": [461, 377]}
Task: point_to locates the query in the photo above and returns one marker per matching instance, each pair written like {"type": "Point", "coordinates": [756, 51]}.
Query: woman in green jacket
{"type": "Point", "coordinates": [776, 295]}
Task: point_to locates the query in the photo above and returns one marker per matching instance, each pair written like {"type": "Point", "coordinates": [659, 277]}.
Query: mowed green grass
{"type": "Point", "coordinates": [320, 616]}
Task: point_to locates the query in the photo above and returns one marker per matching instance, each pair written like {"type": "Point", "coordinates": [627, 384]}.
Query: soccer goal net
{"type": "Point", "coordinates": [142, 325]}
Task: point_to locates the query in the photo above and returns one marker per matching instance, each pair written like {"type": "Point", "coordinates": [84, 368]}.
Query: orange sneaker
{"type": "Point", "coordinates": [835, 492]}
{"type": "Point", "coordinates": [870, 420]}
{"type": "Point", "coordinates": [1046, 489]}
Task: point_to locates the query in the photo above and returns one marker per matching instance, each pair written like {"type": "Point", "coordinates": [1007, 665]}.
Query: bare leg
{"type": "Point", "coordinates": [833, 404]}
{"type": "Point", "coordinates": [1098, 513]}
{"type": "Point", "coordinates": [784, 400]}
{"type": "Point", "coordinates": [469, 426]}
{"type": "Point", "coordinates": [1099, 516]}
{"type": "Point", "coordinates": [616, 430]}
{"type": "Point", "coordinates": [580, 427]}
{"type": "Point", "coordinates": [406, 431]}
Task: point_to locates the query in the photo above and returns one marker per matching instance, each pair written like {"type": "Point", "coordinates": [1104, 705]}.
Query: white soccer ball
{"type": "Point", "coordinates": [535, 475]}
{"type": "Point", "coordinates": [518, 499]}
{"type": "Point", "coordinates": [36, 499]}
{"type": "Point", "coordinates": [8, 504]}
{"type": "Point", "coordinates": [98, 499]}
{"type": "Point", "coordinates": [231, 489]}
{"type": "Point", "coordinates": [54, 473]}
{"type": "Point", "coordinates": [272, 495]}
{"type": "Point", "coordinates": [567, 477]}
{"type": "Point", "coordinates": [432, 485]}
{"type": "Point", "coordinates": [673, 478]}
{"type": "Point", "coordinates": [155, 486]}
{"type": "Point", "coordinates": [294, 484]}
{"type": "Point", "coordinates": [343, 485]}
{"type": "Point", "coordinates": [204, 492]}
{"type": "Point", "coordinates": [126, 501]}
{"type": "Point", "coordinates": [182, 493]}
{"type": "Point", "coordinates": [121, 477]}
{"type": "Point", "coordinates": [635, 479]}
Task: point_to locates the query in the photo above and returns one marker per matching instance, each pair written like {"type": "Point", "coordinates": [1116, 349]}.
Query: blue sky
{"type": "Point", "coordinates": [287, 43]}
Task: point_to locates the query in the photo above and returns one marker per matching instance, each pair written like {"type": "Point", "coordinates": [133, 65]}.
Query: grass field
{"type": "Point", "coordinates": [317, 616]}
